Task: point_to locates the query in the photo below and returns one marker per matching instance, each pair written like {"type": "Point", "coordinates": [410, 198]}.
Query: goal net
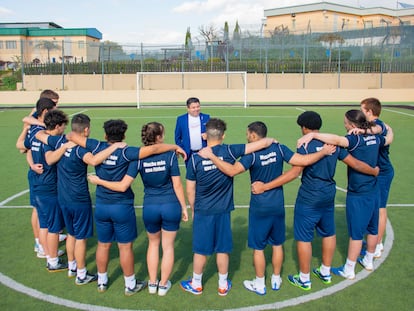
{"type": "Point", "coordinates": [173, 88]}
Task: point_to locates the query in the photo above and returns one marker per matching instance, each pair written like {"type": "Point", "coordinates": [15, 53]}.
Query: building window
{"type": "Point", "coordinates": [11, 45]}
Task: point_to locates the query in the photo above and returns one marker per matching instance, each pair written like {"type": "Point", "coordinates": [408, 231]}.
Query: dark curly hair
{"type": "Point", "coordinates": [150, 132]}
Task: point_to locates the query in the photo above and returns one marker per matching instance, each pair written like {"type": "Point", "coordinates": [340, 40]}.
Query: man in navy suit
{"type": "Point", "coordinates": [190, 127]}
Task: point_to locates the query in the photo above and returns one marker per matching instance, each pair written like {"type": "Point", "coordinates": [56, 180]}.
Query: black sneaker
{"type": "Point", "coordinates": [139, 286]}
{"type": "Point", "coordinates": [61, 266]}
{"type": "Point", "coordinates": [87, 279]}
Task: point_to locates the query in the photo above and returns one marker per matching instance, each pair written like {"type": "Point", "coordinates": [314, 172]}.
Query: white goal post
{"type": "Point", "coordinates": [224, 87]}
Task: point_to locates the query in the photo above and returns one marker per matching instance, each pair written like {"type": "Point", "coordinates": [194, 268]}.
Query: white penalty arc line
{"type": "Point", "coordinates": [13, 197]}
{"type": "Point", "coordinates": [389, 240]}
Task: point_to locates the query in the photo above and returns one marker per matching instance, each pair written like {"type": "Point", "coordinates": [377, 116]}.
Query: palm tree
{"type": "Point", "coordinates": [48, 45]}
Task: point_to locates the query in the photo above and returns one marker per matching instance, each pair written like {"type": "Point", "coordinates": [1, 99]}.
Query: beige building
{"type": "Point", "coordinates": [331, 17]}
{"type": "Point", "coordinates": [47, 42]}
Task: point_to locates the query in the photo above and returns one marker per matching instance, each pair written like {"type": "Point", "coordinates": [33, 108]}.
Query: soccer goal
{"type": "Point", "coordinates": [173, 88]}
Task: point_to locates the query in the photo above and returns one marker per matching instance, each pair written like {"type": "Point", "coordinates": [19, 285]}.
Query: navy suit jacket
{"type": "Point", "coordinates": [182, 132]}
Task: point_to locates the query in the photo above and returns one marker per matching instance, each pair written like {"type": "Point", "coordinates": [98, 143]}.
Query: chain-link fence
{"type": "Point", "coordinates": [382, 49]}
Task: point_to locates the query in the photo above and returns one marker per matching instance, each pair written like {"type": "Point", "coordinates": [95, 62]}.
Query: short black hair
{"type": "Point", "coordinates": [310, 119]}
{"type": "Point", "coordinates": [55, 117]}
{"type": "Point", "coordinates": [115, 130]}
{"type": "Point", "coordinates": [79, 122]}
{"type": "Point", "coordinates": [259, 128]}
{"type": "Point", "coordinates": [192, 100]}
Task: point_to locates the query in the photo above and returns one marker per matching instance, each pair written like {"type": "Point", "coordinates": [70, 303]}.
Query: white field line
{"type": "Point", "coordinates": [389, 239]}
{"type": "Point", "coordinates": [399, 112]}
{"type": "Point", "coordinates": [175, 117]}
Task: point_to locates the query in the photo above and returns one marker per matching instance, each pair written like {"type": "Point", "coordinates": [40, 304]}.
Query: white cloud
{"type": "Point", "coordinates": [5, 11]}
{"type": "Point", "coordinates": [200, 6]}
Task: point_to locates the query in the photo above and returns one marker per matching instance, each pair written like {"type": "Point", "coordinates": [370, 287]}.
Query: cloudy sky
{"type": "Point", "coordinates": [154, 21]}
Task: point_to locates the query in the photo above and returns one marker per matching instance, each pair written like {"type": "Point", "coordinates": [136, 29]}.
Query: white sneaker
{"type": "Point", "coordinates": [367, 265]}
{"type": "Point", "coordinates": [152, 287]}
{"type": "Point", "coordinates": [251, 286]}
{"type": "Point", "coordinates": [62, 237]}
{"type": "Point", "coordinates": [41, 253]}
{"type": "Point", "coordinates": [163, 290]}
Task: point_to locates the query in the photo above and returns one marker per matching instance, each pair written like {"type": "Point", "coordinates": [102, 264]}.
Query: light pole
{"type": "Point", "coordinates": [263, 24]}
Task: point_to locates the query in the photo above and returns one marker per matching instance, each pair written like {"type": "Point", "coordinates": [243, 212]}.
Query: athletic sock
{"type": "Point", "coordinates": [260, 282]}
{"type": "Point", "coordinates": [349, 266]}
{"type": "Point", "coordinates": [37, 241]}
{"type": "Point", "coordinates": [369, 257]}
{"type": "Point", "coordinates": [72, 265]}
{"type": "Point", "coordinates": [325, 270]}
{"type": "Point", "coordinates": [196, 281]}
{"type": "Point", "coordinates": [223, 280]}
{"type": "Point", "coordinates": [103, 278]}
{"type": "Point", "coordinates": [276, 279]}
{"type": "Point", "coordinates": [81, 273]}
{"type": "Point", "coordinates": [52, 261]}
{"type": "Point", "coordinates": [130, 281]}
{"type": "Point", "coordinates": [304, 277]}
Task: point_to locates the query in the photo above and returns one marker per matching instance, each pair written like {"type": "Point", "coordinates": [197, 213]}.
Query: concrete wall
{"type": "Point", "coordinates": [281, 88]}
{"type": "Point", "coordinates": [220, 81]}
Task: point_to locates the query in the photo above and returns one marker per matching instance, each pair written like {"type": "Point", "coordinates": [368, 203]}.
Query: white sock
{"type": "Point", "coordinates": [52, 261]}
{"type": "Point", "coordinates": [37, 241]}
{"type": "Point", "coordinates": [130, 281]}
{"type": "Point", "coordinates": [349, 266]}
{"type": "Point", "coordinates": [276, 279]}
{"type": "Point", "coordinates": [325, 270]}
{"type": "Point", "coordinates": [260, 282]}
{"type": "Point", "coordinates": [369, 257]}
{"type": "Point", "coordinates": [196, 281]}
{"type": "Point", "coordinates": [72, 265]}
{"type": "Point", "coordinates": [379, 248]}
{"type": "Point", "coordinates": [103, 278]}
{"type": "Point", "coordinates": [81, 273]}
{"type": "Point", "coordinates": [223, 280]}
{"type": "Point", "coordinates": [304, 277]}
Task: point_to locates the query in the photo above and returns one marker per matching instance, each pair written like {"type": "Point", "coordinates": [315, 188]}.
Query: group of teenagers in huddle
{"type": "Point", "coordinates": [59, 191]}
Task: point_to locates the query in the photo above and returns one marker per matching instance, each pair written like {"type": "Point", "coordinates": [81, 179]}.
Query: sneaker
{"type": "Point", "coordinates": [102, 287]}
{"type": "Point", "coordinates": [369, 266]}
{"type": "Point", "coordinates": [152, 287]}
{"type": "Point", "coordinates": [341, 272]}
{"type": "Point", "coordinates": [61, 266]}
{"type": "Point", "coordinates": [163, 290]}
{"type": "Point", "coordinates": [326, 279]}
{"type": "Point", "coordinates": [41, 253]}
{"type": "Point", "coordinates": [36, 247]}
{"type": "Point", "coordinates": [140, 285]}
{"type": "Point", "coordinates": [87, 279]}
{"type": "Point", "coordinates": [71, 273]}
{"type": "Point", "coordinates": [62, 237]}
{"type": "Point", "coordinates": [295, 281]}
{"type": "Point", "coordinates": [225, 291]}
{"type": "Point", "coordinates": [251, 286]}
{"type": "Point", "coordinates": [276, 285]}
{"type": "Point", "coordinates": [186, 285]}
